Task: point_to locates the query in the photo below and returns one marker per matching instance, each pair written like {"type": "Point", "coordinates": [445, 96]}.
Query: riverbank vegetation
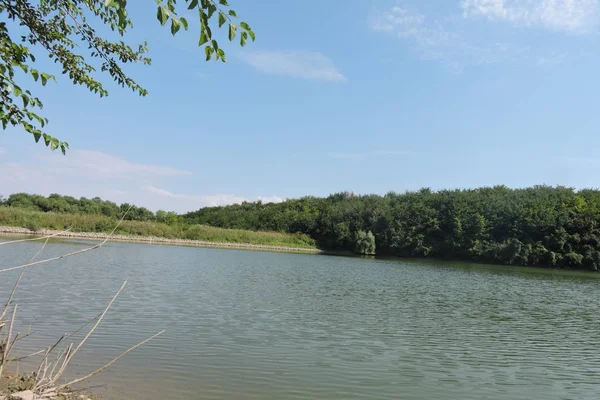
{"type": "Point", "coordinates": [541, 226]}
{"type": "Point", "coordinates": [79, 222]}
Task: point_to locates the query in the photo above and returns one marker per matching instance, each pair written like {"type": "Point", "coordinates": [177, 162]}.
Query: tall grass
{"type": "Point", "coordinates": [36, 220]}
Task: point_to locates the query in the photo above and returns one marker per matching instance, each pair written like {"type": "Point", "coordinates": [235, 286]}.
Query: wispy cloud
{"type": "Point", "coordinates": [98, 165]}
{"type": "Point", "coordinates": [210, 200]}
{"type": "Point", "coordinates": [368, 154]}
{"type": "Point", "coordinates": [572, 16]}
{"type": "Point", "coordinates": [432, 40]}
{"type": "Point", "coordinates": [84, 173]}
{"type": "Point", "coordinates": [298, 64]}
{"type": "Point", "coordinates": [454, 41]}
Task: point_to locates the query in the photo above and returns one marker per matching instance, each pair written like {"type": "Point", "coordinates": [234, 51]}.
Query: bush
{"type": "Point", "coordinates": [365, 243]}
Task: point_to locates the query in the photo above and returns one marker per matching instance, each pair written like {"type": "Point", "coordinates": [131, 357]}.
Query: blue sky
{"type": "Point", "coordinates": [366, 96]}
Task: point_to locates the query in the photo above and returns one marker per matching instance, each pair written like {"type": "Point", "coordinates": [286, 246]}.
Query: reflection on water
{"type": "Point", "coordinates": [251, 325]}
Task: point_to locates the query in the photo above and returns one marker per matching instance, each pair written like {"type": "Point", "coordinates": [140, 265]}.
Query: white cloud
{"type": "Point", "coordinates": [427, 35]}
{"type": "Point", "coordinates": [400, 19]}
{"type": "Point", "coordinates": [367, 154]}
{"type": "Point", "coordinates": [432, 40]}
{"type": "Point", "coordinates": [270, 199]}
{"type": "Point", "coordinates": [456, 43]}
{"type": "Point", "coordinates": [572, 16]}
{"type": "Point", "coordinates": [210, 200]}
{"type": "Point", "coordinates": [98, 165]}
{"type": "Point", "coordinates": [298, 64]}
{"type": "Point", "coordinates": [83, 173]}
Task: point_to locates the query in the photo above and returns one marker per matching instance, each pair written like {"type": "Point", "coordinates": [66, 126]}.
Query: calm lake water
{"type": "Point", "coordinates": [252, 325]}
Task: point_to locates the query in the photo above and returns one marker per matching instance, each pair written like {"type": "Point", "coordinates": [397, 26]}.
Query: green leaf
{"type": "Point", "coordinates": [184, 23]}
{"type": "Point", "coordinates": [36, 74]}
{"type": "Point", "coordinates": [211, 10]}
{"type": "Point", "coordinates": [208, 51]}
{"type": "Point", "coordinates": [203, 18]}
{"type": "Point", "coordinates": [252, 35]}
{"type": "Point", "coordinates": [162, 14]}
{"type": "Point", "coordinates": [37, 135]}
{"type": "Point", "coordinates": [243, 39]}
{"type": "Point", "coordinates": [47, 139]}
{"type": "Point", "coordinates": [232, 13]}
{"type": "Point", "coordinates": [215, 45]}
{"type": "Point", "coordinates": [53, 144]}
{"type": "Point", "coordinates": [221, 55]}
{"type": "Point", "coordinates": [203, 38]}
{"type": "Point", "coordinates": [193, 4]}
{"type": "Point", "coordinates": [45, 78]}
{"type": "Point", "coordinates": [223, 2]}
{"type": "Point", "coordinates": [175, 26]}
{"type": "Point", "coordinates": [245, 26]}
{"type": "Point", "coordinates": [17, 91]}
{"type": "Point", "coordinates": [232, 31]}
{"type": "Point", "coordinates": [222, 19]}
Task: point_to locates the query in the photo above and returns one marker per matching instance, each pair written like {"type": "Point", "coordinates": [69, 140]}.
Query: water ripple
{"type": "Point", "coordinates": [248, 325]}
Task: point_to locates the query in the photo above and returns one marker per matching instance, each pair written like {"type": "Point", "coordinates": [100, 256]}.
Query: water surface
{"type": "Point", "coordinates": [254, 325]}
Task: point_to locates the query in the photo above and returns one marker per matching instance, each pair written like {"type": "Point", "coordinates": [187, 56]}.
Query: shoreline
{"type": "Point", "coordinates": [12, 230]}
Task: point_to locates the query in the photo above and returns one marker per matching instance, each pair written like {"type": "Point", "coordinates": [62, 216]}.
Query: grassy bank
{"type": "Point", "coordinates": [36, 220]}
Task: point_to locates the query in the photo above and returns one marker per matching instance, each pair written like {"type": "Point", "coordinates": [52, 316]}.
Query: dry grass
{"type": "Point", "coordinates": [56, 358]}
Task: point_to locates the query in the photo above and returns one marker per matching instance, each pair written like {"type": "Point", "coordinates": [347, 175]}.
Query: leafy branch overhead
{"type": "Point", "coordinates": [64, 29]}
{"type": "Point", "coordinates": [207, 9]}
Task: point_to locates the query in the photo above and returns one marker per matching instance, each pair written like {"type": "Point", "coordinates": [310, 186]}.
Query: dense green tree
{"type": "Point", "coordinates": [541, 225]}
{"type": "Point", "coordinates": [57, 29]}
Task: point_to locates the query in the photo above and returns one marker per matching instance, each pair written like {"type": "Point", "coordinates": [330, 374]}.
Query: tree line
{"type": "Point", "coordinates": [540, 225]}
{"type": "Point", "coordinates": [96, 206]}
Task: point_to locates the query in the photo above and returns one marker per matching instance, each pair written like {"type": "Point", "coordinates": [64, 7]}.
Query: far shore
{"type": "Point", "coordinates": [10, 230]}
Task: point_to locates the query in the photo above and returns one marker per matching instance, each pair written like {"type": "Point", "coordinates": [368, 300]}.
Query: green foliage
{"type": "Point", "coordinates": [60, 29]}
{"type": "Point", "coordinates": [78, 222]}
{"type": "Point", "coordinates": [545, 226]}
{"type": "Point", "coordinates": [365, 243]}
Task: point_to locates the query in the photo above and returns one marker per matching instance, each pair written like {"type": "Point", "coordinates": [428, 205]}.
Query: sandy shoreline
{"type": "Point", "coordinates": [150, 239]}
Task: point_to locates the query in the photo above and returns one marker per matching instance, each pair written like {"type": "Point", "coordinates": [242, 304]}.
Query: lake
{"type": "Point", "coordinates": [256, 325]}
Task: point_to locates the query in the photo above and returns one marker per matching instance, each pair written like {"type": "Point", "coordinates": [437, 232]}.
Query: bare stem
{"type": "Point", "coordinates": [7, 344]}
{"type": "Point", "coordinates": [72, 354]}
{"type": "Point", "coordinates": [110, 363]}
{"type": "Point", "coordinates": [37, 238]}
{"type": "Point", "coordinates": [14, 289]}
{"type": "Point", "coordinates": [69, 254]}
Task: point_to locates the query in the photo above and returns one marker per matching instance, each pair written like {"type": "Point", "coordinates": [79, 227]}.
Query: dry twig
{"type": "Point", "coordinates": [112, 362]}
{"type": "Point", "coordinates": [7, 345]}
{"type": "Point", "coordinates": [36, 238]}
{"type": "Point", "coordinates": [70, 354]}
{"type": "Point", "coordinates": [30, 264]}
